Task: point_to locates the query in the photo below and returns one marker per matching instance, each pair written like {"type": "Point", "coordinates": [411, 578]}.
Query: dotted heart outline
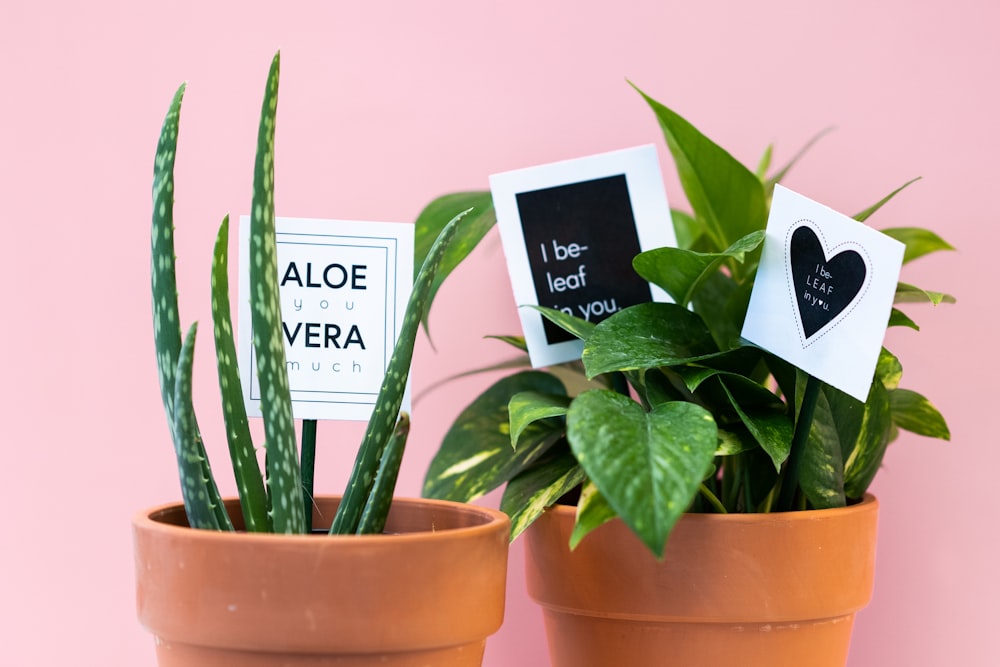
{"type": "Point", "coordinates": [869, 272]}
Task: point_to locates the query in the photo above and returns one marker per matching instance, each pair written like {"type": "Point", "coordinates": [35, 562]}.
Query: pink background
{"type": "Point", "coordinates": [386, 105]}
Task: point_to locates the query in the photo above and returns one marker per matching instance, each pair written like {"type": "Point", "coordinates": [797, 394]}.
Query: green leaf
{"type": "Point", "coordinates": [201, 495]}
{"type": "Point", "coordinates": [386, 412]}
{"type": "Point", "coordinates": [888, 369]}
{"type": "Point", "coordinates": [867, 213]}
{"type": "Point", "coordinates": [681, 272]}
{"type": "Point", "coordinates": [513, 341]}
{"type": "Point", "coordinates": [578, 327]}
{"type": "Point", "coordinates": [918, 241]}
{"type": "Point", "coordinates": [528, 407]}
{"type": "Point", "coordinates": [592, 512]}
{"type": "Point", "coordinates": [535, 489]}
{"type": "Point", "coordinates": [379, 501]}
{"type": "Point", "coordinates": [906, 293]}
{"type": "Point", "coordinates": [898, 318]}
{"type": "Point", "coordinates": [821, 475]}
{"type": "Point", "coordinates": [724, 194]}
{"type": "Point", "coordinates": [283, 473]}
{"type": "Point", "coordinates": [764, 163]}
{"type": "Point", "coordinates": [166, 320]}
{"type": "Point", "coordinates": [249, 482]}
{"type": "Point", "coordinates": [770, 427]}
{"type": "Point", "coordinates": [433, 219]}
{"type": "Point", "coordinates": [648, 465]}
{"type": "Point", "coordinates": [644, 336]}
{"type": "Point", "coordinates": [914, 413]}
{"type": "Point", "coordinates": [781, 173]}
{"type": "Point", "coordinates": [687, 230]}
{"type": "Point", "coordinates": [475, 456]}
{"type": "Point", "coordinates": [864, 458]}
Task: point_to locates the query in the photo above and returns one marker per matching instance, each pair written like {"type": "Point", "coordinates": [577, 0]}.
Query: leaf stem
{"type": "Point", "coordinates": [712, 499]}
{"type": "Point", "coordinates": [790, 482]}
{"type": "Point", "coordinates": [308, 468]}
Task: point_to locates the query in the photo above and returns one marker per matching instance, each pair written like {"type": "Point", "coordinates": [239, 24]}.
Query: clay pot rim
{"type": "Point", "coordinates": [484, 521]}
{"type": "Point", "coordinates": [867, 503]}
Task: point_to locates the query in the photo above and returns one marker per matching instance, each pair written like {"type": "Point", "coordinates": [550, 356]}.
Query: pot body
{"type": "Point", "coordinates": [751, 589]}
{"type": "Point", "coordinates": [427, 593]}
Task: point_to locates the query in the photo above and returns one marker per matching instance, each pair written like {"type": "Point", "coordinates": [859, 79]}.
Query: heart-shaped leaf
{"type": "Point", "coordinates": [647, 335]}
{"type": "Point", "coordinates": [648, 465]}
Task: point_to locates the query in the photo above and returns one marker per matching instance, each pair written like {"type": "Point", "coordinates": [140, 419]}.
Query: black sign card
{"type": "Point", "coordinates": [581, 239]}
{"type": "Point", "coordinates": [570, 230]}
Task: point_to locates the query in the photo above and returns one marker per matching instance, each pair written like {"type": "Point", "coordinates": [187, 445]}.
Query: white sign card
{"type": "Point", "coordinates": [570, 230]}
{"type": "Point", "coordinates": [824, 292]}
{"type": "Point", "coordinates": [344, 286]}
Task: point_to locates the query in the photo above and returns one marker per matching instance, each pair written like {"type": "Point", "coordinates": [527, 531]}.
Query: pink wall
{"type": "Point", "coordinates": [385, 105]}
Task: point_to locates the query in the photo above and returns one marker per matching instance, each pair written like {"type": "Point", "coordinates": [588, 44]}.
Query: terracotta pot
{"type": "Point", "coordinates": [428, 594]}
{"type": "Point", "coordinates": [749, 589]}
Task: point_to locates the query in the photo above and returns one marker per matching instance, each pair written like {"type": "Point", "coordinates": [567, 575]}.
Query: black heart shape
{"type": "Point", "coordinates": [824, 287]}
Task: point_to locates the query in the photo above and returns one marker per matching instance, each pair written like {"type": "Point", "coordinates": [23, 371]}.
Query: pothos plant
{"type": "Point", "coordinates": [281, 500]}
{"type": "Point", "coordinates": [669, 410]}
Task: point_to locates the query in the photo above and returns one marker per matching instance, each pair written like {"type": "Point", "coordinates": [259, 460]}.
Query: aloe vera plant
{"type": "Point", "coordinates": [669, 410]}
{"type": "Point", "coordinates": [278, 502]}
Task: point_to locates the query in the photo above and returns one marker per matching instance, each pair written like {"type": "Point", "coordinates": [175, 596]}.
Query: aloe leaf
{"type": "Point", "coordinates": [592, 512]}
{"type": "Point", "coordinates": [918, 241]}
{"type": "Point", "coordinates": [528, 407]}
{"type": "Point", "coordinates": [249, 483]}
{"type": "Point", "coordinates": [283, 473]}
{"type": "Point", "coordinates": [646, 335]}
{"type": "Point", "coordinates": [166, 318]}
{"type": "Point", "coordinates": [433, 219]}
{"type": "Point", "coordinates": [867, 213]}
{"type": "Point", "coordinates": [648, 465]}
{"type": "Point", "coordinates": [913, 412]}
{"type": "Point", "coordinates": [201, 496]}
{"type": "Point", "coordinates": [390, 395]}
{"type": "Point", "coordinates": [727, 196]}
{"type": "Point", "coordinates": [379, 501]}
{"type": "Point", "coordinates": [535, 489]}
{"type": "Point", "coordinates": [681, 272]}
{"type": "Point", "coordinates": [906, 293]}
{"type": "Point", "coordinates": [475, 456]}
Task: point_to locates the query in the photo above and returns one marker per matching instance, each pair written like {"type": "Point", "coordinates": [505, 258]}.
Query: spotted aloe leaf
{"type": "Point", "coordinates": [202, 503]}
{"type": "Point", "coordinates": [283, 473]}
{"type": "Point", "coordinates": [201, 496]}
{"type": "Point", "coordinates": [249, 483]}
{"type": "Point", "coordinates": [390, 396]}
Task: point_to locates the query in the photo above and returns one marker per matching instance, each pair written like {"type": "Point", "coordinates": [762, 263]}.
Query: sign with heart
{"type": "Point", "coordinates": [824, 284]}
{"type": "Point", "coordinates": [824, 292]}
